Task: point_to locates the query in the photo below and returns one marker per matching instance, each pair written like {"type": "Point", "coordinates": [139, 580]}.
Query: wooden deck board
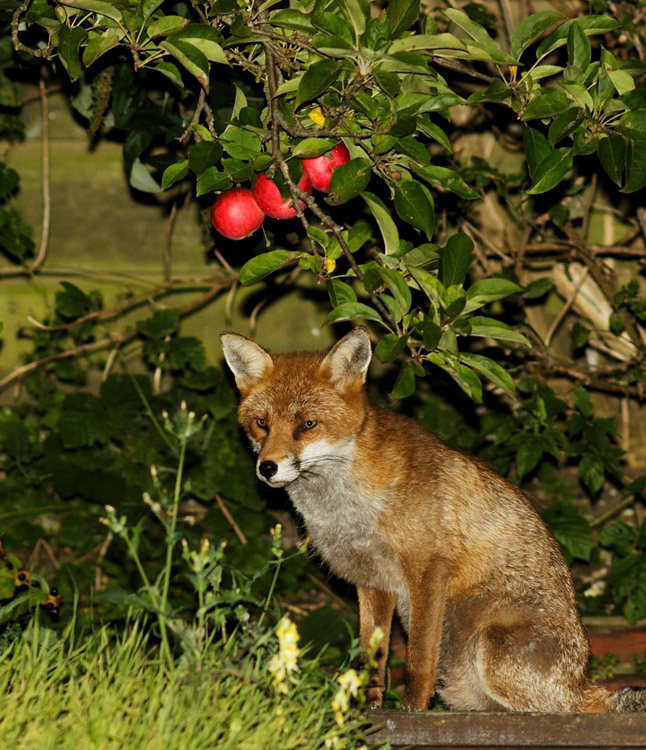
{"type": "Point", "coordinates": [433, 729]}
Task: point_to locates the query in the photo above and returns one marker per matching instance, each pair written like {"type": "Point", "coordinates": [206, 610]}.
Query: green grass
{"type": "Point", "coordinates": [112, 692]}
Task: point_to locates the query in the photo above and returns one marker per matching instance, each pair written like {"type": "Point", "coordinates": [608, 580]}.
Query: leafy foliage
{"type": "Point", "coordinates": [203, 96]}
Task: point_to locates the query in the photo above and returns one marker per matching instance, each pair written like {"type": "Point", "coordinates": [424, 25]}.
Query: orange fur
{"type": "Point", "coordinates": [478, 581]}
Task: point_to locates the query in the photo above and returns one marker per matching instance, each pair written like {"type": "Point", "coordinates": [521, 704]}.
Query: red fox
{"type": "Point", "coordinates": [478, 582]}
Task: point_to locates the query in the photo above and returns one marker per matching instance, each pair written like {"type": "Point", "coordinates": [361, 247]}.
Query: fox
{"type": "Point", "coordinates": [477, 580]}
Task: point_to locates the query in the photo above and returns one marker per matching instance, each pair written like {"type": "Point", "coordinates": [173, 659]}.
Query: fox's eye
{"type": "Point", "coordinates": [309, 423]}
{"type": "Point", "coordinates": [261, 423]}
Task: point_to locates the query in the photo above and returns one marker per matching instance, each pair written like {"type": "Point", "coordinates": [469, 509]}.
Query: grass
{"type": "Point", "coordinates": [110, 691]}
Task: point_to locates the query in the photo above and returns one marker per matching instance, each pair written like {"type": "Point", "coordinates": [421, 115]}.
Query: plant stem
{"type": "Point", "coordinates": [170, 545]}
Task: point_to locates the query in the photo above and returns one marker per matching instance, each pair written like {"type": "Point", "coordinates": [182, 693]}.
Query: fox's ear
{"type": "Point", "coordinates": [347, 362]}
{"type": "Point", "coordinates": [248, 361]}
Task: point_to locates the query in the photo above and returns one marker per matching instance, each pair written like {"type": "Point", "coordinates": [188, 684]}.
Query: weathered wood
{"type": "Point", "coordinates": [433, 729]}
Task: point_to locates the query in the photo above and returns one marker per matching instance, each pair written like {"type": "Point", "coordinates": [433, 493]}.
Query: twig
{"type": "Point", "coordinates": [115, 341]}
{"type": "Point", "coordinates": [45, 53]}
{"type": "Point", "coordinates": [623, 503]}
{"type": "Point", "coordinates": [588, 206]}
{"type": "Point", "coordinates": [230, 519]}
{"type": "Point", "coordinates": [508, 18]}
{"type": "Point", "coordinates": [167, 244]}
{"type": "Point", "coordinates": [568, 304]}
{"type": "Point", "coordinates": [108, 365]}
{"type": "Point", "coordinates": [44, 108]}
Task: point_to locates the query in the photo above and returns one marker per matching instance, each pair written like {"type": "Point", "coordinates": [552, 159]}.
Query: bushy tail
{"type": "Point", "coordinates": [629, 700]}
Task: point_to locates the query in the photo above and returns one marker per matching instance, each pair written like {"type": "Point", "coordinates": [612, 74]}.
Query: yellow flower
{"type": "Point", "coordinates": [349, 684]}
{"type": "Point", "coordinates": [283, 664]}
{"type": "Point", "coordinates": [330, 265]}
{"type": "Point", "coordinates": [317, 116]}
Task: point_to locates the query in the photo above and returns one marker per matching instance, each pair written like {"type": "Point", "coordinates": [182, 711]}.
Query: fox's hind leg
{"type": "Point", "coordinates": [524, 666]}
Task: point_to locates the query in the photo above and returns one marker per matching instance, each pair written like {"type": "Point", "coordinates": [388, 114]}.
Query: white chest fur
{"type": "Point", "coordinates": [342, 522]}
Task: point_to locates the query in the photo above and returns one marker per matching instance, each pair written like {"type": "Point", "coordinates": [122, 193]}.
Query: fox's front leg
{"type": "Point", "coordinates": [427, 597]}
{"type": "Point", "coordinates": [375, 611]}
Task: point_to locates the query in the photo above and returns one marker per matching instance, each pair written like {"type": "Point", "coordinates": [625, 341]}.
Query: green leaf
{"type": "Point", "coordinates": [390, 347]}
{"type": "Point", "coordinates": [398, 287]}
{"type": "Point", "coordinates": [141, 179]}
{"type": "Point", "coordinates": [448, 179]}
{"type": "Point", "coordinates": [349, 180]}
{"type": "Point", "coordinates": [262, 265]}
{"type": "Point", "coordinates": [206, 39]}
{"type": "Point", "coordinates": [582, 401]}
{"type": "Point", "coordinates": [417, 103]}
{"type": "Point", "coordinates": [238, 170]}
{"type": "Point", "coordinates": [69, 45]}
{"type": "Point", "coordinates": [309, 148]}
{"type": "Point", "coordinates": [192, 58]}
{"type": "Point", "coordinates": [166, 25]}
{"type": "Point", "coordinates": [350, 311]}
{"type": "Point", "coordinates": [633, 125]}
{"type": "Point", "coordinates": [316, 79]}
{"type": "Point", "coordinates": [109, 10]}
{"type": "Point", "coordinates": [474, 30]}
{"type": "Point", "coordinates": [490, 369]}
{"type": "Point", "coordinates": [203, 155]}
{"type": "Point", "coordinates": [489, 290]}
{"type": "Point", "coordinates": [456, 259]}
{"type": "Point", "coordinates": [100, 44]}
{"type": "Point", "coordinates": [612, 153]}
{"type": "Point", "coordinates": [564, 124]}
{"type": "Point", "coordinates": [289, 18]}
{"type": "Point", "coordinates": [482, 42]}
{"type": "Point", "coordinates": [546, 103]}
{"type": "Point", "coordinates": [174, 173]}
{"type": "Point", "coordinates": [531, 28]}
{"type": "Point", "coordinates": [170, 71]}
{"type": "Point", "coordinates": [402, 14]}
{"type": "Point", "coordinates": [592, 473]}
{"type": "Point", "coordinates": [495, 329]}
{"type": "Point", "coordinates": [414, 204]}
{"type": "Point", "coordinates": [636, 172]}
{"type": "Point", "coordinates": [572, 530]}
{"type": "Point", "coordinates": [405, 383]}
{"type": "Point", "coordinates": [538, 288]}
{"type": "Point", "coordinates": [333, 24]}
{"type": "Point", "coordinates": [415, 42]}
{"type": "Point", "coordinates": [240, 142]}
{"type": "Point", "coordinates": [537, 148]}
{"type": "Point", "coordinates": [579, 52]}
{"type": "Point", "coordinates": [340, 292]}
{"type": "Point", "coordinates": [468, 381]}
{"type": "Point", "coordinates": [162, 323]}
{"type": "Point", "coordinates": [72, 302]}
{"type": "Point", "coordinates": [589, 24]}
{"type": "Point", "coordinates": [210, 180]}
{"type": "Point", "coordinates": [552, 170]}
{"type": "Point", "coordinates": [386, 224]}
{"type": "Point", "coordinates": [187, 351]}
{"type": "Point", "coordinates": [357, 12]}
{"type": "Point", "coordinates": [431, 333]}
{"type": "Point", "coordinates": [378, 33]}
{"type": "Point", "coordinates": [528, 455]}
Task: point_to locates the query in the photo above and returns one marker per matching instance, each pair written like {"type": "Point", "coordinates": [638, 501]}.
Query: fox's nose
{"type": "Point", "coordinates": [267, 469]}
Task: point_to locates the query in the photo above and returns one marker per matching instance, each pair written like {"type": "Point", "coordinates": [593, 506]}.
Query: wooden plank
{"type": "Point", "coordinates": [434, 729]}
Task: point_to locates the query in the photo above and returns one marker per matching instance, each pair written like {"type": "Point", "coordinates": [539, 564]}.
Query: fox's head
{"type": "Point", "coordinates": [302, 410]}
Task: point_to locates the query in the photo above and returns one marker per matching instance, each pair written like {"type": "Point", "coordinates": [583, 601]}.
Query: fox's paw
{"type": "Point", "coordinates": [375, 697]}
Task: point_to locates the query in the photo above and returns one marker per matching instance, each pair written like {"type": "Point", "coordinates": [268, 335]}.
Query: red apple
{"type": "Point", "coordinates": [320, 168]}
{"type": "Point", "coordinates": [268, 196]}
{"type": "Point", "coordinates": [235, 213]}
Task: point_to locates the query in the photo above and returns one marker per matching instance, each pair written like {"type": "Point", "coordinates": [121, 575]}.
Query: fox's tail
{"type": "Point", "coordinates": [629, 700]}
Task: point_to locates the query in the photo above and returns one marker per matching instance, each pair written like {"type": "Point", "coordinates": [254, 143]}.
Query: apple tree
{"type": "Point", "coordinates": [212, 96]}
